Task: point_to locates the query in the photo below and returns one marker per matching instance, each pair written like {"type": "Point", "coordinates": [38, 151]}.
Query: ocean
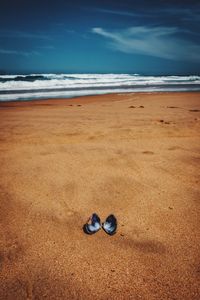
{"type": "Point", "coordinates": [44, 86]}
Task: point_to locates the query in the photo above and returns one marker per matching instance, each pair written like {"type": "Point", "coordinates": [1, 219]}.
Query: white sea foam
{"type": "Point", "coordinates": [34, 86]}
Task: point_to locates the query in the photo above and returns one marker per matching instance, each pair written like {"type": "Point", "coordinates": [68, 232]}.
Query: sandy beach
{"type": "Point", "coordinates": [134, 155]}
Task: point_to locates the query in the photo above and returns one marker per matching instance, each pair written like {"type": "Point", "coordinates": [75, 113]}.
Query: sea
{"type": "Point", "coordinates": [45, 86]}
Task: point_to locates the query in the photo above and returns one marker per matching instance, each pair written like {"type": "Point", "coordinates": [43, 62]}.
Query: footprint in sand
{"type": "Point", "coordinates": [174, 148]}
{"type": "Point", "coordinates": [194, 110]}
{"type": "Point", "coordinates": [148, 152]}
{"type": "Point", "coordinates": [172, 107]}
{"type": "Point", "coordinates": [164, 122]}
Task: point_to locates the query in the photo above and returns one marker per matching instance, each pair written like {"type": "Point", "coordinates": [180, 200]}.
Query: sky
{"type": "Point", "coordinates": [144, 37]}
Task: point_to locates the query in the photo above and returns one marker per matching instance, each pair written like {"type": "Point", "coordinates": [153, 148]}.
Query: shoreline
{"type": "Point", "coordinates": [85, 98]}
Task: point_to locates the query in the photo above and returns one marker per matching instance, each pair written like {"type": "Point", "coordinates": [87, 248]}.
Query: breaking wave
{"type": "Point", "coordinates": [37, 86]}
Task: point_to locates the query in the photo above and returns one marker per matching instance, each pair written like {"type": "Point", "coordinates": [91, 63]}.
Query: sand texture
{"type": "Point", "coordinates": [134, 155]}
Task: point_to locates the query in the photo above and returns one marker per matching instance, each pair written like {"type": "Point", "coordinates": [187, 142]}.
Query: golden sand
{"type": "Point", "coordinates": [134, 155]}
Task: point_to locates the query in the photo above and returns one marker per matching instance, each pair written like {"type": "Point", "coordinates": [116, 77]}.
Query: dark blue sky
{"type": "Point", "coordinates": [146, 37]}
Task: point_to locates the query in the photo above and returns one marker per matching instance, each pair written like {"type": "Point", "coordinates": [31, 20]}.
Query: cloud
{"type": "Point", "coordinates": [16, 52]}
{"type": "Point", "coordinates": [117, 12]}
{"type": "Point", "coordinates": [22, 34]}
{"type": "Point", "coordinates": [46, 47]}
{"type": "Point", "coordinates": [186, 14]}
{"type": "Point", "coordinates": [70, 31]}
{"type": "Point", "coordinates": [162, 42]}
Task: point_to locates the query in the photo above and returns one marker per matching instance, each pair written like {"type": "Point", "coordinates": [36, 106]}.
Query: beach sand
{"type": "Point", "coordinates": [134, 155]}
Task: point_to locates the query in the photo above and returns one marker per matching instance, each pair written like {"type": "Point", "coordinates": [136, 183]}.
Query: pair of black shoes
{"type": "Point", "coordinates": [94, 224]}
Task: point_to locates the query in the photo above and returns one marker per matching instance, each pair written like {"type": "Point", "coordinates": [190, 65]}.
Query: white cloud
{"type": "Point", "coordinates": [16, 52]}
{"type": "Point", "coordinates": [23, 34]}
{"type": "Point", "coordinates": [70, 31]}
{"type": "Point", "coordinates": [153, 41]}
{"type": "Point", "coordinates": [46, 47]}
{"type": "Point", "coordinates": [117, 12]}
{"type": "Point", "coordinates": [186, 14]}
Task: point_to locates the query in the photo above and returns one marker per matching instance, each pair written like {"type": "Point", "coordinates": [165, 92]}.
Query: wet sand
{"type": "Point", "coordinates": [134, 155]}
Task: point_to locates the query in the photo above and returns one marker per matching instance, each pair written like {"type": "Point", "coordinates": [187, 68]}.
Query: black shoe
{"type": "Point", "coordinates": [110, 225]}
{"type": "Point", "coordinates": [93, 225]}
